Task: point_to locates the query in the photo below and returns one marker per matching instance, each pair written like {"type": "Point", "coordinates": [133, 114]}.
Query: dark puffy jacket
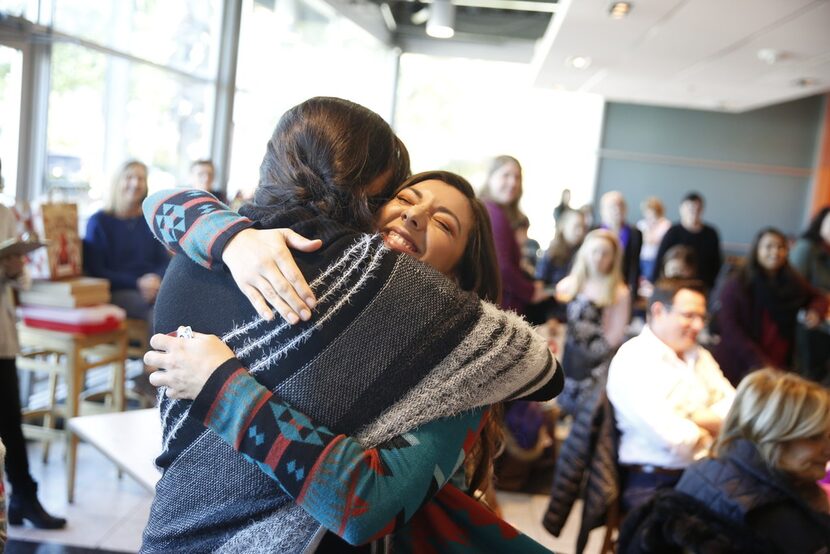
{"type": "Point", "coordinates": [739, 488]}
{"type": "Point", "coordinates": [590, 447]}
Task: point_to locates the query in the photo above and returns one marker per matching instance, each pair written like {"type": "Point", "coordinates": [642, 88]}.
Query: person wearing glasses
{"type": "Point", "coordinates": [668, 393]}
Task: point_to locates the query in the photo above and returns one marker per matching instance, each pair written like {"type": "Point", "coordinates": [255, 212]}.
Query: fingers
{"type": "Point", "coordinates": [156, 359]}
{"type": "Point", "coordinates": [159, 379]}
{"type": "Point", "coordinates": [160, 341]}
{"type": "Point", "coordinates": [299, 242]}
{"type": "Point", "coordinates": [258, 302]}
{"type": "Point", "coordinates": [278, 287]}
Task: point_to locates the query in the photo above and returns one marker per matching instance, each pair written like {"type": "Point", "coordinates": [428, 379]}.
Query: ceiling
{"type": "Point", "coordinates": [690, 53]}
{"type": "Point", "coordinates": [701, 54]}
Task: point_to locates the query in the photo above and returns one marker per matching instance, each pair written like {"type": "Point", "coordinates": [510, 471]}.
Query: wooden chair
{"type": "Point", "coordinates": [69, 356]}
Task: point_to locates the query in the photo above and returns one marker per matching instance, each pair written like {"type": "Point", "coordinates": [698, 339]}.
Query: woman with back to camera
{"type": "Point", "coordinates": [375, 343]}
{"type": "Point", "coordinates": [810, 256]}
{"type": "Point", "coordinates": [598, 308]}
{"type": "Point", "coordinates": [759, 306]}
{"type": "Point", "coordinates": [772, 449]}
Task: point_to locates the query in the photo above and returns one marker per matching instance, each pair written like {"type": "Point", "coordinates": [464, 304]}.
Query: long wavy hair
{"type": "Point", "coordinates": [325, 154]}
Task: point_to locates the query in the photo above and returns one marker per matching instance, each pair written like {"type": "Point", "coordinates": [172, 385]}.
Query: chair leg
{"type": "Point", "coordinates": [612, 524]}
{"type": "Point", "coordinates": [48, 418]}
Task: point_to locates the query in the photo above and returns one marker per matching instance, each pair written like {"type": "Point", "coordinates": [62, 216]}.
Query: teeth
{"type": "Point", "coordinates": [396, 240]}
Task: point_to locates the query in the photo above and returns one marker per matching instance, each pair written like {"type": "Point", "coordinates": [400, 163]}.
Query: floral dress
{"type": "Point", "coordinates": [587, 353]}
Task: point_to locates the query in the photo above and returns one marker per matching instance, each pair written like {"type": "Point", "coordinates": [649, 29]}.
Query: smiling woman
{"type": "Point", "coordinates": [436, 218]}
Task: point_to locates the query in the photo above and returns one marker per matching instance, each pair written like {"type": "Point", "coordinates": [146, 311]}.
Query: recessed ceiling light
{"type": "Point", "coordinates": [579, 62]}
{"type": "Point", "coordinates": [619, 10]}
{"type": "Point", "coordinates": [772, 55]}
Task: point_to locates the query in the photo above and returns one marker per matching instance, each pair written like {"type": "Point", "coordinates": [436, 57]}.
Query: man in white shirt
{"type": "Point", "coordinates": [669, 394]}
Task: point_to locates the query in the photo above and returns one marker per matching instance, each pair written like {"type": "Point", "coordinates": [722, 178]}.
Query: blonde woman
{"type": "Point", "coordinates": [598, 309]}
{"type": "Point", "coordinates": [119, 246]}
{"type": "Point", "coordinates": [773, 448]}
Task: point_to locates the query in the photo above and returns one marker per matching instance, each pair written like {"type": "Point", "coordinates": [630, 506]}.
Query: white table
{"type": "Point", "coordinates": [131, 440]}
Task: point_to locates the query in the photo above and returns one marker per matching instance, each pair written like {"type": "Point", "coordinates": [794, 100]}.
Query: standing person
{"type": "Point", "coordinates": [598, 305]}
{"type": "Point", "coordinates": [810, 256]}
{"type": "Point", "coordinates": [556, 263]}
{"type": "Point", "coordinates": [772, 450]}
{"type": "Point", "coordinates": [387, 329]}
{"type": "Point", "coordinates": [501, 195]}
{"type": "Point", "coordinates": [563, 206]}
{"type": "Point", "coordinates": [691, 231]}
{"type": "Point", "coordinates": [759, 308]}
{"type": "Point", "coordinates": [558, 259]}
{"type": "Point", "coordinates": [23, 504]}
{"type": "Point", "coordinates": [669, 421]}
{"type": "Point", "coordinates": [653, 226]}
{"type": "Point", "coordinates": [612, 211]}
{"type": "Point", "coordinates": [119, 246]}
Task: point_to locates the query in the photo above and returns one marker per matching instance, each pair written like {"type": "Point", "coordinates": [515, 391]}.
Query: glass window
{"type": "Point", "coordinates": [289, 51]}
{"type": "Point", "coordinates": [19, 8]}
{"type": "Point", "coordinates": [104, 110]}
{"type": "Point", "coordinates": [455, 114]}
{"type": "Point", "coordinates": [183, 34]}
{"type": "Point", "coordinates": [11, 73]}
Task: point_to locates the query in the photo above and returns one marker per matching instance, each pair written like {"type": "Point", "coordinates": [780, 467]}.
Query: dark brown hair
{"type": "Point", "coordinates": [324, 154]}
{"type": "Point", "coordinates": [478, 269]}
{"type": "Point", "coordinates": [751, 269]}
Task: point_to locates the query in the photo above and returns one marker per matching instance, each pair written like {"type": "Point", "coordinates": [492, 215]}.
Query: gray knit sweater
{"type": "Point", "coordinates": [393, 345]}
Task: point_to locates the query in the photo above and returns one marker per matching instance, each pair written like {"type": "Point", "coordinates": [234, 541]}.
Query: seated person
{"type": "Point", "coordinates": [773, 448]}
{"type": "Point", "coordinates": [668, 394]}
{"type": "Point", "coordinates": [119, 246]}
{"type": "Point", "coordinates": [759, 307]}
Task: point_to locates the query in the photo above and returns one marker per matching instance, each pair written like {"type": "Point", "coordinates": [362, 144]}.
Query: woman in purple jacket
{"type": "Point", "coordinates": [759, 309]}
{"type": "Point", "coordinates": [501, 194]}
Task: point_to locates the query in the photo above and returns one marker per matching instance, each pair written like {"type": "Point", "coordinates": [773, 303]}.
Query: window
{"type": "Point", "coordinates": [11, 72]}
{"type": "Point", "coordinates": [289, 51]}
{"type": "Point", "coordinates": [455, 114]}
{"type": "Point", "coordinates": [183, 34]}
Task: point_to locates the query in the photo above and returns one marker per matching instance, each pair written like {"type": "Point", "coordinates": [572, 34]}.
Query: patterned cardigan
{"type": "Point", "coordinates": [445, 353]}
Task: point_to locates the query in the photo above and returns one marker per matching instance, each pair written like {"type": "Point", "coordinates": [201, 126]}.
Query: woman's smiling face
{"type": "Point", "coordinates": [431, 221]}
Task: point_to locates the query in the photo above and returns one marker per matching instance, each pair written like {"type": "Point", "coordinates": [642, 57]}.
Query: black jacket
{"type": "Point", "coordinates": [672, 522]}
{"type": "Point", "coordinates": [742, 490]}
{"type": "Point", "coordinates": [590, 449]}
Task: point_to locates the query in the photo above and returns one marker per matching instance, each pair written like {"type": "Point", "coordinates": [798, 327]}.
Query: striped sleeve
{"type": "Point", "coordinates": [194, 223]}
{"type": "Point", "coordinates": [358, 493]}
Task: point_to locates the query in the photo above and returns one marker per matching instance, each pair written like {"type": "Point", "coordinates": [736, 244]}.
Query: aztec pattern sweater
{"type": "Point", "coordinates": [353, 491]}
{"type": "Point", "coordinates": [444, 353]}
